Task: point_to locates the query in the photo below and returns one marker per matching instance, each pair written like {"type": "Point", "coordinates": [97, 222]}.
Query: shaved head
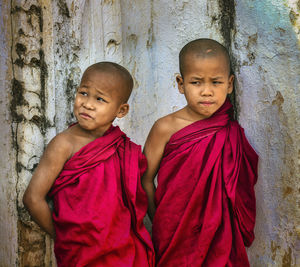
{"type": "Point", "coordinates": [202, 48]}
{"type": "Point", "coordinates": [118, 72]}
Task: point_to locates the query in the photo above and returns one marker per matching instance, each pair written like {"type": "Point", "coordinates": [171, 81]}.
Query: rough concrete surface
{"type": "Point", "coordinates": [46, 45]}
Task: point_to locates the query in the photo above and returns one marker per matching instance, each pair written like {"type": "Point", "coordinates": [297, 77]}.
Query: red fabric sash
{"type": "Point", "coordinates": [99, 206]}
{"type": "Point", "coordinates": [205, 197]}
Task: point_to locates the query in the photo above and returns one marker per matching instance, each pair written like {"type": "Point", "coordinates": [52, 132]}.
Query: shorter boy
{"type": "Point", "coordinates": [205, 202]}
{"type": "Point", "coordinates": [92, 171]}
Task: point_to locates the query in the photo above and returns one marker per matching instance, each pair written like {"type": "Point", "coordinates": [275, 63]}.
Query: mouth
{"type": "Point", "coordinates": [85, 115]}
{"type": "Point", "coordinates": [206, 103]}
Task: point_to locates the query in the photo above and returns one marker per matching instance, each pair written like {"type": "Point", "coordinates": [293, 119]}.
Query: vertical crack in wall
{"type": "Point", "coordinates": [226, 23]}
{"type": "Point", "coordinates": [227, 28]}
{"type": "Point", "coordinates": [150, 39]}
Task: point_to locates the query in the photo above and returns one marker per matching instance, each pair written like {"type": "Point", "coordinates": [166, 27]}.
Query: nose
{"type": "Point", "coordinates": [206, 90]}
{"type": "Point", "coordinates": [88, 103]}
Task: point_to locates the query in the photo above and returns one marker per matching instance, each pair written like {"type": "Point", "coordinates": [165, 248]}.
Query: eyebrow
{"type": "Point", "coordinates": [196, 78]}
{"type": "Point", "coordinates": [200, 78]}
{"type": "Point", "coordinates": [218, 77]}
{"type": "Point", "coordinates": [98, 91]}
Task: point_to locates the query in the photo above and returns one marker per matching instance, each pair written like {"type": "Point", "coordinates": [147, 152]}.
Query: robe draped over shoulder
{"type": "Point", "coordinates": [205, 197]}
{"type": "Point", "coordinates": [99, 206]}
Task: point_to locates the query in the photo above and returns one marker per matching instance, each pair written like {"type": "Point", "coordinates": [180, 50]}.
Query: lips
{"type": "Point", "coordinates": [206, 103]}
{"type": "Point", "coordinates": [85, 115]}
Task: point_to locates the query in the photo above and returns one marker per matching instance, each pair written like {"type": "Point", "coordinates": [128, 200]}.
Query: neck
{"type": "Point", "coordinates": [93, 134]}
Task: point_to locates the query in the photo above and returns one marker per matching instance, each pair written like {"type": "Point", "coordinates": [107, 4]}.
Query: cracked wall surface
{"type": "Point", "coordinates": [48, 44]}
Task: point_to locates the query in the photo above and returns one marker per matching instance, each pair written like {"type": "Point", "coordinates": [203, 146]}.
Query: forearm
{"type": "Point", "coordinates": [150, 190]}
{"type": "Point", "coordinates": [42, 215]}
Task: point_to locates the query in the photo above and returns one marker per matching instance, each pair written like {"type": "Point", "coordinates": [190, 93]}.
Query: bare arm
{"type": "Point", "coordinates": [153, 150]}
{"type": "Point", "coordinates": [51, 163]}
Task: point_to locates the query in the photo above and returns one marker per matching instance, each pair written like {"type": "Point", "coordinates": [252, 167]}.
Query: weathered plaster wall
{"type": "Point", "coordinates": [47, 45]}
{"type": "Point", "coordinates": [8, 213]}
{"type": "Point", "coordinates": [32, 114]}
{"type": "Point", "coordinates": [266, 47]}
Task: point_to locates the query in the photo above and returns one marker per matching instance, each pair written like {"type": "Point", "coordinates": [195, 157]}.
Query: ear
{"type": "Point", "coordinates": [230, 84]}
{"type": "Point", "coordinates": [123, 110]}
{"type": "Point", "coordinates": [179, 81]}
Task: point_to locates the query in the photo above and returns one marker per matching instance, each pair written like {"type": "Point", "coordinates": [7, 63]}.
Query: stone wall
{"type": "Point", "coordinates": [47, 45]}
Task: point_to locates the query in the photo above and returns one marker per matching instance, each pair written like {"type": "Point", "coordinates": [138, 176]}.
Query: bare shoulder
{"type": "Point", "coordinates": [62, 144]}
{"type": "Point", "coordinates": [170, 124]}
{"type": "Point", "coordinates": [159, 135]}
{"type": "Point", "coordinates": [163, 125]}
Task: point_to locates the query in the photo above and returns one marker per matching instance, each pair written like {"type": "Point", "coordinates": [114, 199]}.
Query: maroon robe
{"type": "Point", "coordinates": [99, 206]}
{"type": "Point", "coordinates": [205, 197]}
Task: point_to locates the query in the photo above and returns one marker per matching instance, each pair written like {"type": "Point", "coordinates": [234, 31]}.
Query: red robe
{"type": "Point", "coordinates": [205, 197]}
{"type": "Point", "coordinates": [99, 206]}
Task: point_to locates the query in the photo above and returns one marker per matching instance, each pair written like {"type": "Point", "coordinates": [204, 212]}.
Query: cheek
{"type": "Point", "coordinates": [76, 104]}
{"type": "Point", "coordinates": [191, 94]}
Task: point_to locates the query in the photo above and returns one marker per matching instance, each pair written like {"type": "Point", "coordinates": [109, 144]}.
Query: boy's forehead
{"type": "Point", "coordinates": [101, 79]}
{"type": "Point", "coordinates": [205, 53]}
{"type": "Point", "coordinates": [208, 54]}
{"type": "Point", "coordinates": [96, 73]}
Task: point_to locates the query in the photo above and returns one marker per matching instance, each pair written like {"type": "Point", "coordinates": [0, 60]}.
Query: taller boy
{"type": "Point", "coordinates": [205, 202]}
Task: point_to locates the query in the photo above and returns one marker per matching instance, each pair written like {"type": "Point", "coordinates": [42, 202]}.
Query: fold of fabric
{"type": "Point", "coordinates": [99, 206]}
{"type": "Point", "coordinates": [205, 197]}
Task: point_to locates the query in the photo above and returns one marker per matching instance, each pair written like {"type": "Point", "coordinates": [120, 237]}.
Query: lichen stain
{"type": "Point", "coordinates": [20, 49]}
{"type": "Point", "coordinates": [35, 63]}
{"type": "Point", "coordinates": [63, 9]}
{"type": "Point", "coordinates": [71, 86]}
{"type": "Point", "coordinates": [287, 191]}
{"type": "Point", "coordinates": [111, 2]}
{"type": "Point", "coordinates": [17, 94]}
{"type": "Point", "coordinates": [32, 248]}
{"type": "Point", "coordinates": [281, 31]}
{"type": "Point", "coordinates": [252, 40]}
{"type": "Point", "coordinates": [43, 77]}
{"type": "Point", "coordinates": [293, 17]}
{"type": "Point", "coordinates": [278, 101]}
{"type": "Point", "coordinates": [19, 62]}
{"type": "Point", "coordinates": [112, 43]}
{"type": "Point", "coordinates": [132, 39]}
{"type": "Point", "coordinates": [251, 57]}
{"type": "Point", "coordinates": [21, 32]}
{"type": "Point", "coordinates": [274, 248]}
{"type": "Point", "coordinates": [150, 36]}
{"type": "Point", "coordinates": [287, 258]}
{"type": "Point", "coordinates": [32, 11]}
{"type": "Point", "coordinates": [37, 11]}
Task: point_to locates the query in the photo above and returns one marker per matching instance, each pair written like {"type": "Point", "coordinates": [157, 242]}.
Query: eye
{"type": "Point", "coordinates": [100, 99]}
{"type": "Point", "coordinates": [217, 82]}
{"type": "Point", "coordinates": [196, 82]}
{"type": "Point", "coordinates": [82, 93]}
